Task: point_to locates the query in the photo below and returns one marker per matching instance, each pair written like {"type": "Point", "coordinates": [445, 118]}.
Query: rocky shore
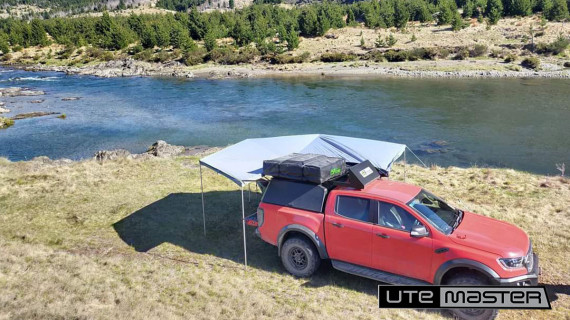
{"type": "Point", "coordinates": [416, 69]}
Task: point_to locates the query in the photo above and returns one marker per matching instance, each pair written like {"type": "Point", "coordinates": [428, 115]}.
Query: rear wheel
{"type": "Point", "coordinates": [466, 279]}
{"type": "Point", "coordinates": [300, 257]}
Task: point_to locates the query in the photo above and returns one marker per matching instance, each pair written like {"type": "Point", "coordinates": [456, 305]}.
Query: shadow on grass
{"type": "Point", "coordinates": [554, 291]}
{"type": "Point", "coordinates": [177, 219]}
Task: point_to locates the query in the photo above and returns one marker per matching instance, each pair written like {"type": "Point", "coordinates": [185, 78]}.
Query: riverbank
{"type": "Point", "coordinates": [123, 238]}
{"type": "Point", "coordinates": [526, 47]}
{"type": "Point", "coordinates": [411, 69]}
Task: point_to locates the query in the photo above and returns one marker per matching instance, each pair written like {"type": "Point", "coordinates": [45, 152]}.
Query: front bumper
{"type": "Point", "coordinates": [529, 279]}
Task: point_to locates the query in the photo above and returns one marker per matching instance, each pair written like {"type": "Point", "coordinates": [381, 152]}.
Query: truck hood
{"type": "Point", "coordinates": [491, 235]}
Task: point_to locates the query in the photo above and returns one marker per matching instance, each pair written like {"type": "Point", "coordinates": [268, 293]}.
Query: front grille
{"type": "Point", "coordinates": [529, 260]}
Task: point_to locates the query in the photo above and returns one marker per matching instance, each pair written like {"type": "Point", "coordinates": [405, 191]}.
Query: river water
{"type": "Point", "coordinates": [518, 123]}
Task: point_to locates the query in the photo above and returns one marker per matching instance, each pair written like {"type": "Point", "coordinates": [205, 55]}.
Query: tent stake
{"type": "Point", "coordinates": [243, 226]}
{"type": "Point", "coordinates": [203, 211]}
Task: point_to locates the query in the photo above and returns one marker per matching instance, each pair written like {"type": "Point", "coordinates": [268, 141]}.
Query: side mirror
{"type": "Point", "coordinates": [419, 231]}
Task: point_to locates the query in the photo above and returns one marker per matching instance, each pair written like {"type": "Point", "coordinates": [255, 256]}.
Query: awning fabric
{"type": "Point", "coordinates": [243, 161]}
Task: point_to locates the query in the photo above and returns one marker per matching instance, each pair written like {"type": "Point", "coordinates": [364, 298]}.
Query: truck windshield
{"type": "Point", "coordinates": [438, 213]}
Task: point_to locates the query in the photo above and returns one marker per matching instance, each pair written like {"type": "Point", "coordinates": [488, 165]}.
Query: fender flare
{"type": "Point", "coordinates": [319, 244]}
{"type": "Point", "coordinates": [465, 263]}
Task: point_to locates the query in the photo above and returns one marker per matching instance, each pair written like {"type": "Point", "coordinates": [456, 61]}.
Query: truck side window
{"type": "Point", "coordinates": [353, 208]}
{"type": "Point", "coordinates": [393, 216]}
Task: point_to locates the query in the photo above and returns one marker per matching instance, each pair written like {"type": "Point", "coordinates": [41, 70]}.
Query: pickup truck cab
{"type": "Point", "coordinates": [391, 232]}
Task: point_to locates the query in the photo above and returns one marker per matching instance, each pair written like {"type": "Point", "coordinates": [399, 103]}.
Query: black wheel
{"type": "Point", "coordinates": [300, 257]}
{"type": "Point", "coordinates": [466, 279]}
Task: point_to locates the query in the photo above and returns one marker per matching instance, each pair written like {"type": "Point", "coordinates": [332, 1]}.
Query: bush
{"type": "Point", "coordinates": [531, 63]}
{"type": "Point", "coordinates": [443, 53]}
{"type": "Point", "coordinates": [145, 55]}
{"type": "Point", "coordinates": [567, 64]}
{"type": "Point", "coordinates": [510, 57]}
{"type": "Point", "coordinates": [337, 57]}
{"type": "Point", "coordinates": [228, 55]}
{"type": "Point", "coordinates": [194, 57]}
{"type": "Point", "coordinates": [66, 52]}
{"type": "Point", "coordinates": [6, 122]}
{"type": "Point", "coordinates": [374, 55]}
{"type": "Point", "coordinates": [422, 54]}
{"type": "Point", "coordinates": [478, 50]}
{"type": "Point", "coordinates": [395, 56]}
{"type": "Point", "coordinates": [556, 47]}
{"type": "Point", "coordinates": [286, 58]}
{"type": "Point", "coordinates": [136, 49]}
{"type": "Point", "coordinates": [462, 54]}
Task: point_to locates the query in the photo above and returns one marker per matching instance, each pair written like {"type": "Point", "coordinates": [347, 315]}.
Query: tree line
{"type": "Point", "coordinates": [259, 23]}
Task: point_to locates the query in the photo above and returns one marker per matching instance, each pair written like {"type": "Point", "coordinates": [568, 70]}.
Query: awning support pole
{"type": "Point", "coordinates": [203, 211]}
{"type": "Point", "coordinates": [405, 165]}
{"type": "Point", "coordinates": [243, 226]}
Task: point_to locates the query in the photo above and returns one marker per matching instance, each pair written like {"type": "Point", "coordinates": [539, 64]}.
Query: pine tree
{"type": "Point", "coordinates": [494, 10]}
{"type": "Point", "coordinates": [38, 36]}
{"type": "Point", "coordinates": [232, 4]}
{"type": "Point", "coordinates": [457, 22]}
{"type": "Point", "coordinates": [521, 7]}
{"type": "Point", "coordinates": [401, 14]}
{"type": "Point", "coordinates": [292, 39]}
{"type": "Point", "coordinates": [559, 11]}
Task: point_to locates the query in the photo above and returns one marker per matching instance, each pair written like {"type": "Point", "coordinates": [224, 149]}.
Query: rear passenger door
{"type": "Point", "coordinates": [348, 230]}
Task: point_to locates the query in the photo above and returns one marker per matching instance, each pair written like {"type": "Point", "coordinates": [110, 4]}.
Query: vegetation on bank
{"type": "Point", "coordinates": [123, 239]}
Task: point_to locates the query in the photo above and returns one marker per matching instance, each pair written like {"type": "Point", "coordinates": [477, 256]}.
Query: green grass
{"type": "Point", "coordinates": [124, 239]}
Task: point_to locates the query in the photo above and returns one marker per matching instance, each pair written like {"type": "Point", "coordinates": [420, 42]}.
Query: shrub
{"type": "Point", "coordinates": [66, 52]}
{"type": "Point", "coordinates": [510, 57]}
{"type": "Point", "coordinates": [286, 58]}
{"type": "Point", "coordinates": [395, 56]}
{"type": "Point", "coordinates": [145, 55]}
{"type": "Point", "coordinates": [387, 42]}
{"type": "Point", "coordinates": [422, 54]}
{"type": "Point", "coordinates": [228, 55]}
{"type": "Point", "coordinates": [443, 53]}
{"type": "Point", "coordinates": [374, 55]}
{"type": "Point", "coordinates": [478, 50]}
{"type": "Point", "coordinates": [194, 57]}
{"type": "Point", "coordinates": [136, 49]}
{"type": "Point", "coordinates": [462, 54]}
{"type": "Point", "coordinates": [531, 63]}
{"type": "Point", "coordinates": [567, 64]}
{"type": "Point", "coordinates": [337, 57]}
{"type": "Point", "coordinates": [556, 47]}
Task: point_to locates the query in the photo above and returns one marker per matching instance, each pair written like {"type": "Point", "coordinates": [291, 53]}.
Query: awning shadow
{"type": "Point", "coordinates": [177, 219]}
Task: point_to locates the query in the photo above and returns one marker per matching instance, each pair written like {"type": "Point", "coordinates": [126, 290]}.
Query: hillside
{"type": "Point", "coordinates": [123, 239]}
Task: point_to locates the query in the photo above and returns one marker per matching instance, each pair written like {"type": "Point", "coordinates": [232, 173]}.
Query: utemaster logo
{"type": "Point", "coordinates": [471, 297]}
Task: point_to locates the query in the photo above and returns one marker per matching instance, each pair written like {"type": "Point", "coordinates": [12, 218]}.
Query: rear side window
{"type": "Point", "coordinates": [353, 208]}
{"type": "Point", "coordinates": [305, 196]}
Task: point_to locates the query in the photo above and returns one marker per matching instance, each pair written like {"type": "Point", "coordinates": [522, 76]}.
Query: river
{"type": "Point", "coordinates": [517, 123]}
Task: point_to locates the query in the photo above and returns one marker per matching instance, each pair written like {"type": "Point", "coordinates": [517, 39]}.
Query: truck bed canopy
{"type": "Point", "coordinates": [243, 161]}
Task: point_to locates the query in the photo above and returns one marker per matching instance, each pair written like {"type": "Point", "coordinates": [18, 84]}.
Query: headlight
{"type": "Point", "coordinates": [512, 263]}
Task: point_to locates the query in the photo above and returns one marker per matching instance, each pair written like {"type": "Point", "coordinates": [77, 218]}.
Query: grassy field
{"type": "Point", "coordinates": [123, 239]}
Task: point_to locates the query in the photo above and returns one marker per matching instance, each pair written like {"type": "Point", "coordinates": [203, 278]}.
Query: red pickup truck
{"type": "Point", "coordinates": [392, 232]}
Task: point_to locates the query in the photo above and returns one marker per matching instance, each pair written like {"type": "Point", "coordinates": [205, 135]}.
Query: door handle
{"type": "Point", "coordinates": [338, 225]}
{"type": "Point", "coordinates": [383, 235]}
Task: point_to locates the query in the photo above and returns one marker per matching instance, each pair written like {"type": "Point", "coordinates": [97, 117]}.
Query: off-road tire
{"type": "Point", "coordinates": [467, 279]}
{"type": "Point", "coordinates": [300, 257]}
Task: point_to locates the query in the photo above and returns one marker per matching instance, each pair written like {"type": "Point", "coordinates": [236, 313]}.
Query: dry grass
{"type": "Point", "coordinates": [123, 239]}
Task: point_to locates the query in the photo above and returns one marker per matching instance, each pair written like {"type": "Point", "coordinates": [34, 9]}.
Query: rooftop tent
{"type": "Point", "coordinates": [243, 161]}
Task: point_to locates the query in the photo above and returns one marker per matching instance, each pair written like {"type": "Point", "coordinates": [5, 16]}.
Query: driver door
{"type": "Point", "coordinates": [394, 249]}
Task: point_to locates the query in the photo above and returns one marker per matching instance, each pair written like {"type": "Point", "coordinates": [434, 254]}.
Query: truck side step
{"type": "Point", "coordinates": [377, 275]}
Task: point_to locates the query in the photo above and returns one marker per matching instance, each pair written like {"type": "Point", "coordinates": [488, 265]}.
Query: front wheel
{"type": "Point", "coordinates": [300, 257]}
{"type": "Point", "coordinates": [471, 314]}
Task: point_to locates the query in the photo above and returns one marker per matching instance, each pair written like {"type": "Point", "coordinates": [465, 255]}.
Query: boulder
{"type": "Point", "coordinates": [4, 110]}
{"type": "Point", "coordinates": [104, 155]}
{"type": "Point", "coordinates": [32, 115]}
{"type": "Point", "coordinates": [164, 150]}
